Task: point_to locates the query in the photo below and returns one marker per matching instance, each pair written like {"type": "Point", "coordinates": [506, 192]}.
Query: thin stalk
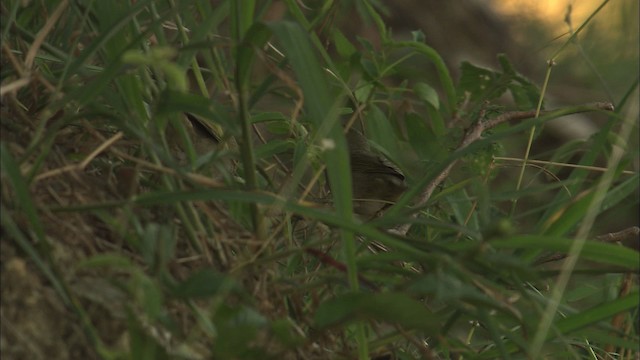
{"type": "Point", "coordinates": [532, 132]}
{"type": "Point", "coordinates": [550, 63]}
{"type": "Point", "coordinates": [242, 13]}
{"type": "Point", "coordinates": [618, 150]}
{"type": "Point", "coordinates": [248, 157]}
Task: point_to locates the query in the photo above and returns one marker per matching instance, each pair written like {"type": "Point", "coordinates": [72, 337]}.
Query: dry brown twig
{"type": "Point", "coordinates": [81, 166]}
{"type": "Point", "coordinates": [196, 178]}
{"type": "Point", "coordinates": [25, 72]}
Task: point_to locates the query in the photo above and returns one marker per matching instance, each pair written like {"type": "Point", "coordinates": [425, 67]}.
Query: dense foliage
{"type": "Point", "coordinates": [176, 184]}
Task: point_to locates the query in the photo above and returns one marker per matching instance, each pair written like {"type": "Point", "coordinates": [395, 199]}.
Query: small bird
{"type": "Point", "coordinates": [376, 182]}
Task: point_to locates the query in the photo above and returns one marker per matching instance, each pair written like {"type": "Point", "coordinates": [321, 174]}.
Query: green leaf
{"type": "Point", "coordinates": [446, 288]}
{"type": "Point", "coordinates": [270, 116]}
{"type": "Point", "coordinates": [429, 146]}
{"type": "Point", "coordinates": [525, 94]}
{"type": "Point", "coordinates": [430, 97]}
{"type": "Point", "coordinates": [441, 68]}
{"type": "Point", "coordinates": [274, 147]}
{"type": "Point", "coordinates": [112, 28]}
{"type": "Point", "coordinates": [608, 337]}
{"type": "Point", "coordinates": [256, 37]}
{"type": "Point", "coordinates": [593, 250]}
{"type": "Point", "coordinates": [381, 132]}
{"type": "Point", "coordinates": [463, 205]}
{"type": "Point", "coordinates": [576, 180]}
{"type": "Point", "coordinates": [569, 216]}
{"type": "Point", "coordinates": [203, 284]}
{"type": "Point", "coordinates": [242, 17]}
{"type": "Point", "coordinates": [370, 69]}
{"type": "Point", "coordinates": [40, 252]}
{"type": "Point", "coordinates": [598, 313]}
{"type": "Point", "coordinates": [427, 94]}
{"type": "Point", "coordinates": [152, 57]}
{"type": "Point", "coordinates": [149, 294]}
{"type": "Point", "coordinates": [624, 191]}
{"type": "Point", "coordinates": [343, 46]}
{"type": "Point", "coordinates": [143, 346]}
{"type": "Point", "coordinates": [418, 36]}
{"type": "Point", "coordinates": [171, 102]}
{"type": "Point", "coordinates": [237, 330]}
{"type": "Point", "coordinates": [157, 245]}
{"type": "Point", "coordinates": [321, 105]}
{"type": "Point", "coordinates": [23, 198]}
{"type": "Point", "coordinates": [113, 260]}
{"type": "Point", "coordinates": [395, 308]}
{"type": "Point", "coordinates": [480, 83]}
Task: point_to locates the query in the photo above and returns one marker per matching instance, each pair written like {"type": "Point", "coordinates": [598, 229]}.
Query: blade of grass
{"type": "Point", "coordinates": [256, 36]}
{"type": "Point", "coordinates": [568, 265]}
{"type": "Point", "coordinates": [443, 72]}
{"type": "Point", "coordinates": [598, 313]}
{"type": "Point", "coordinates": [592, 250]}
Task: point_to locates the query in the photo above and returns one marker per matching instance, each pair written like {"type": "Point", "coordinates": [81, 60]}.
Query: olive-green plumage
{"type": "Point", "coordinates": [376, 182]}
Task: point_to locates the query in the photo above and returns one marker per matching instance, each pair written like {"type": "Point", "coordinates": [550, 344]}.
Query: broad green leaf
{"type": "Point", "coordinates": [480, 83]}
{"type": "Point", "coordinates": [525, 94]}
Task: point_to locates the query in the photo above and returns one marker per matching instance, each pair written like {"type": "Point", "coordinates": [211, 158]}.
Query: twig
{"type": "Point", "coordinates": [196, 178]}
{"type": "Point", "coordinates": [625, 236]}
{"type": "Point", "coordinates": [42, 34]}
{"type": "Point", "coordinates": [79, 167]}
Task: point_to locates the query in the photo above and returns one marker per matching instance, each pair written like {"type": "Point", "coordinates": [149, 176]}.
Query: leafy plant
{"type": "Point", "coordinates": [166, 168]}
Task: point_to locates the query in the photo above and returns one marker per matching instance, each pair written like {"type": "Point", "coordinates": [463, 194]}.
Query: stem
{"type": "Point", "coordinates": [532, 132]}
{"type": "Point", "coordinates": [602, 187]}
{"type": "Point", "coordinates": [243, 16]}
